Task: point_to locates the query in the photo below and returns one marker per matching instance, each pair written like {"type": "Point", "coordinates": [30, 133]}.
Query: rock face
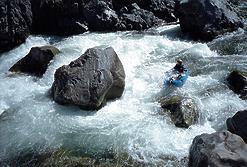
{"type": "Point", "coordinates": [59, 17]}
{"type": "Point", "coordinates": [220, 149]}
{"type": "Point", "coordinates": [36, 62]}
{"type": "Point", "coordinates": [15, 22]}
{"type": "Point", "coordinates": [65, 17]}
{"type": "Point", "coordinates": [206, 19]}
{"type": "Point", "coordinates": [135, 18]}
{"type": "Point", "coordinates": [237, 124]}
{"type": "Point", "coordinates": [183, 111]}
{"type": "Point", "coordinates": [62, 17]}
{"type": "Point", "coordinates": [238, 83]}
{"type": "Point", "coordinates": [100, 16]}
{"type": "Point", "coordinates": [163, 9]}
{"type": "Point", "coordinates": [96, 76]}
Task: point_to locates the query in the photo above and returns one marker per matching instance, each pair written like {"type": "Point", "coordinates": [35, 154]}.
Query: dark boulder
{"type": "Point", "coordinates": [36, 62]}
{"type": "Point", "coordinates": [183, 111]}
{"type": "Point", "coordinates": [162, 9]}
{"type": "Point", "coordinates": [237, 124]}
{"type": "Point", "coordinates": [135, 18]}
{"type": "Point", "coordinates": [89, 81]}
{"type": "Point", "coordinates": [238, 83]}
{"type": "Point", "coordinates": [119, 4]}
{"type": "Point", "coordinates": [15, 22]}
{"type": "Point", "coordinates": [206, 19]}
{"type": "Point", "coordinates": [60, 17]}
{"type": "Point", "coordinates": [100, 16]}
{"type": "Point", "coordinates": [219, 149]}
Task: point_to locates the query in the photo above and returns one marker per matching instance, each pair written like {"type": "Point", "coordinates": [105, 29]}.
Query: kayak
{"type": "Point", "coordinates": [178, 82]}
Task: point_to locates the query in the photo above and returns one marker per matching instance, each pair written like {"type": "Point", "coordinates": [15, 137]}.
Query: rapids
{"type": "Point", "coordinates": [31, 121]}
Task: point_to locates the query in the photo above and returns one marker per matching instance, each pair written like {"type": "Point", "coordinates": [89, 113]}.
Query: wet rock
{"type": "Point", "coordinates": [183, 111]}
{"type": "Point", "coordinates": [237, 124]}
{"type": "Point", "coordinates": [36, 61]}
{"type": "Point", "coordinates": [60, 157]}
{"type": "Point", "coordinates": [60, 17]}
{"type": "Point", "coordinates": [93, 78]}
{"type": "Point", "coordinates": [237, 82]}
{"type": "Point", "coordinates": [100, 16]}
{"type": "Point", "coordinates": [71, 158]}
{"type": "Point", "coordinates": [206, 19]}
{"type": "Point", "coordinates": [137, 19]}
{"type": "Point", "coordinates": [219, 149]}
{"type": "Point", "coordinates": [15, 22]}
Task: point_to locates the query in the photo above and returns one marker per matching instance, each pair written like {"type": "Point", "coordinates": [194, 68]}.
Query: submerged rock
{"type": "Point", "coordinates": [206, 19]}
{"type": "Point", "coordinates": [183, 111]}
{"type": "Point", "coordinates": [96, 76]}
{"type": "Point", "coordinates": [237, 124]}
{"type": "Point", "coordinates": [36, 61]}
{"type": "Point", "coordinates": [15, 22]}
{"type": "Point", "coordinates": [219, 149]}
{"type": "Point", "coordinates": [237, 82]}
{"type": "Point", "coordinates": [73, 158]}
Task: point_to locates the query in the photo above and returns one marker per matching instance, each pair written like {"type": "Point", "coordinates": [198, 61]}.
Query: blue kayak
{"type": "Point", "coordinates": [179, 82]}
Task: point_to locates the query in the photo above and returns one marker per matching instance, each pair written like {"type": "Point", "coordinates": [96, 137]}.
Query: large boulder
{"type": "Point", "coordinates": [162, 9]}
{"type": "Point", "coordinates": [237, 124]}
{"type": "Point", "coordinates": [36, 61]}
{"type": "Point", "coordinates": [59, 17]}
{"type": "Point", "coordinates": [100, 16]}
{"type": "Point", "coordinates": [206, 19]}
{"type": "Point", "coordinates": [15, 22]}
{"type": "Point", "coordinates": [183, 110]}
{"type": "Point", "coordinates": [119, 4]}
{"type": "Point", "coordinates": [135, 18]}
{"type": "Point", "coordinates": [219, 149]}
{"type": "Point", "coordinates": [96, 76]}
{"type": "Point", "coordinates": [238, 83]}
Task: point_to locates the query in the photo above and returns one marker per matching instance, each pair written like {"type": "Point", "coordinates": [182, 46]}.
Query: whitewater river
{"type": "Point", "coordinates": [31, 121]}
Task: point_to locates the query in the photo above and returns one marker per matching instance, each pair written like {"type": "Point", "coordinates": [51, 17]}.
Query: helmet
{"type": "Point", "coordinates": [179, 61]}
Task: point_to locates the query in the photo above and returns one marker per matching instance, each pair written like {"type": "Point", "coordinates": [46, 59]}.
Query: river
{"type": "Point", "coordinates": [31, 121]}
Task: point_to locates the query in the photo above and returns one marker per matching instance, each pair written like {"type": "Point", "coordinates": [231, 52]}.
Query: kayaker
{"type": "Point", "coordinates": [179, 65]}
{"type": "Point", "coordinates": [180, 74]}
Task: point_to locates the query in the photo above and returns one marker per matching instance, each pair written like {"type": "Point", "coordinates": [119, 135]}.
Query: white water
{"type": "Point", "coordinates": [130, 124]}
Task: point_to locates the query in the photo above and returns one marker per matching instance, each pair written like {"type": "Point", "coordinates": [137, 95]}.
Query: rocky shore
{"type": "Point", "coordinates": [203, 20]}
